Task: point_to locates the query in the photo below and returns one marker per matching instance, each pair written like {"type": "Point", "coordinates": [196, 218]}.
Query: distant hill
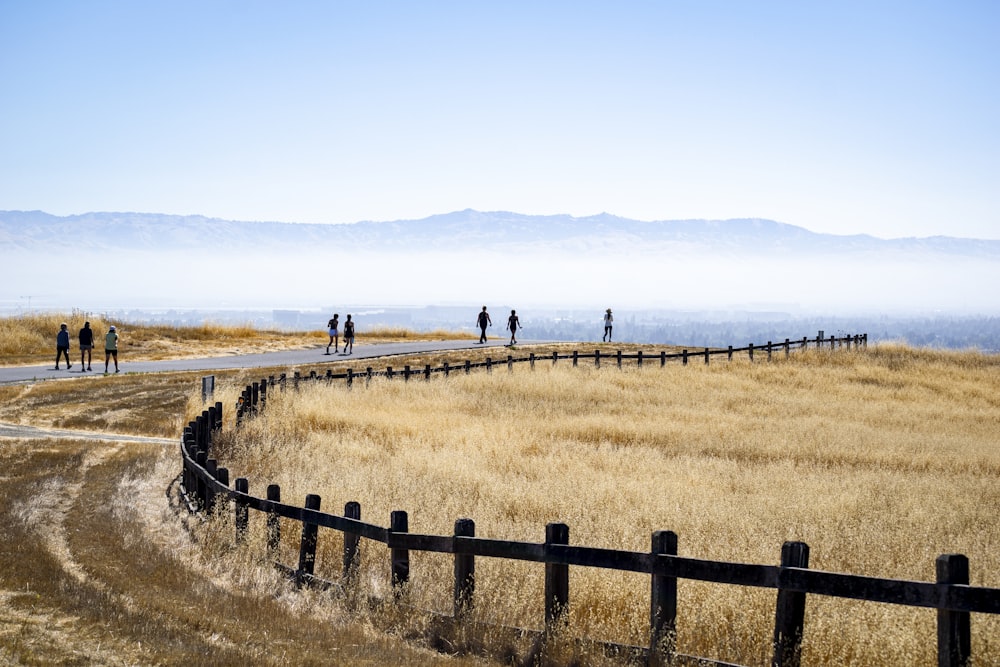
{"type": "Point", "coordinates": [112, 260]}
{"type": "Point", "coordinates": [500, 231]}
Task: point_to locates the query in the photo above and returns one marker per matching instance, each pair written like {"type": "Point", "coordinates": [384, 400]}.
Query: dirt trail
{"type": "Point", "coordinates": [97, 568]}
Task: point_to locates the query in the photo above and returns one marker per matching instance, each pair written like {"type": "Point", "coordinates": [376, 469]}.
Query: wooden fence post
{"type": "Point", "coordinates": [750, 350]}
{"type": "Point", "coordinates": [730, 353]}
{"type": "Point", "coordinates": [954, 638]}
{"type": "Point", "coordinates": [212, 419]}
{"type": "Point", "coordinates": [769, 351]}
{"type": "Point", "coordinates": [684, 357]}
{"type": "Point", "coordinates": [427, 371]}
{"type": "Point", "coordinates": [212, 467]}
{"type": "Point", "coordinates": [447, 369]}
{"type": "Point", "coordinates": [790, 611]}
{"type": "Point", "coordinates": [273, 522]}
{"type": "Point", "coordinates": [192, 449]}
{"type": "Point", "coordinates": [597, 358]}
{"type": "Point", "coordinates": [465, 572]}
{"type": "Point", "coordinates": [555, 357]}
{"type": "Point", "coordinates": [399, 523]}
{"type": "Point", "coordinates": [663, 358]}
{"type": "Point", "coordinates": [706, 356]}
{"type": "Point", "coordinates": [242, 510]}
{"type": "Point", "coordinates": [576, 357]}
{"type": "Point", "coordinates": [556, 578]}
{"type": "Point", "coordinates": [307, 545]}
{"type": "Point", "coordinates": [489, 365]}
{"type": "Point", "coordinates": [222, 476]}
{"type": "Point", "coordinates": [201, 488]}
{"type": "Point", "coordinates": [350, 378]}
{"type": "Point", "coordinates": [468, 366]}
{"type": "Point", "coordinates": [787, 351]}
{"type": "Point", "coordinates": [388, 372]}
{"type": "Point", "coordinates": [406, 373]}
{"type": "Point", "coordinates": [510, 364]}
{"type": "Point", "coordinates": [619, 358]}
{"type": "Point", "coordinates": [638, 360]}
{"type": "Point", "coordinates": [352, 510]}
{"type": "Point", "coordinates": [531, 361]}
{"type": "Point", "coordinates": [663, 604]}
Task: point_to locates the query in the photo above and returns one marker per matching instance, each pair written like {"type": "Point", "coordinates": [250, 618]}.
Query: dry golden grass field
{"type": "Point", "coordinates": [30, 339]}
{"type": "Point", "coordinates": [880, 460]}
{"type": "Point", "coordinates": [98, 566]}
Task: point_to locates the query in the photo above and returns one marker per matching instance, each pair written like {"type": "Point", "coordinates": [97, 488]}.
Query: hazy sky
{"type": "Point", "coordinates": [842, 117]}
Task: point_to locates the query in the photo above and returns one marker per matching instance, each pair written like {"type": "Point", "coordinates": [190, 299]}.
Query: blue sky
{"type": "Point", "coordinates": [841, 117]}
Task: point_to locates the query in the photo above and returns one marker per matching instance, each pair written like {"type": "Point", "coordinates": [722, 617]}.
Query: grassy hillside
{"type": "Point", "coordinates": [880, 460]}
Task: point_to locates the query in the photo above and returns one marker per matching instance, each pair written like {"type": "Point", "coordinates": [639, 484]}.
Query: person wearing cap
{"type": "Point", "coordinates": [62, 346]}
{"type": "Point", "coordinates": [608, 324]}
{"type": "Point", "coordinates": [111, 348]}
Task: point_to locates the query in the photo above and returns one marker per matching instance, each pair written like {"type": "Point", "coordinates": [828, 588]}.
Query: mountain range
{"type": "Point", "coordinates": [109, 260]}
{"type": "Point", "coordinates": [497, 231]}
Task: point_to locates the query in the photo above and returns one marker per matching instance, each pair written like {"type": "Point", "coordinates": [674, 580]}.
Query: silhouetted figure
{"type": "Point", "coordinates": [484, 321]}
{"type": "Point", "coordinates": [332, 329]}
{"type": "Point", "coordinates": [349, 335]}
{"type": "Point", "coordinates": [513, 323]}
{"type": "Point", "coordinates": [608, 325]}
{"type": "Point", "coordinates": [62, 346]}
{"type": "Point", "coordinates": [86, 339]}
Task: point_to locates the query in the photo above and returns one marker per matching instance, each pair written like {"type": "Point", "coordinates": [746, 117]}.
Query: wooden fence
{"type": "Point", "coordinates": [207, 486]}
{"type": "Point", "coordinates": [255, 394]}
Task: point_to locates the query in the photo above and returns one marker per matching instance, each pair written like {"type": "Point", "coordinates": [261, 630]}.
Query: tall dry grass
{"type": "Point", "coordinates": [880, 460]}
{"type": "Point", "coordinates": [31, 338]}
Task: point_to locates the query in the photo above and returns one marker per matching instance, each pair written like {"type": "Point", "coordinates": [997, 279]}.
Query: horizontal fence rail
{"type": "Point", "coordinates": [255, 394]}
{"type": "Point", "coordinates": [208, 488]}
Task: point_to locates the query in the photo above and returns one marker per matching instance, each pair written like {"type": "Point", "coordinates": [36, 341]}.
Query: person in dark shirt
{"type": "Point", "coordinates": [349, 335]}
{"type": "Point", "coordinates": [62, 346]}
{"type": "Point", "coordinates": [513, 323]}
{"type": "Point", "coordinates": [86, 339]}
{"type": "Point", "coordinates": [484, 321]}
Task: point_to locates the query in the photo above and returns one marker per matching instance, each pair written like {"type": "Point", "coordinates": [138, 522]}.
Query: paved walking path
{"type": "Point", "coordinates": [315, 356]}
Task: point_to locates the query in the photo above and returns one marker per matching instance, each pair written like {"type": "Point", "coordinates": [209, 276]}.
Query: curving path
{"type": "Point", "coordinates": [15, 374]}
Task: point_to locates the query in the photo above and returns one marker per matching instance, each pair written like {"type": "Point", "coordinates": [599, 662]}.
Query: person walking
{"type": "Point", "coordinates": [608, 325]}
{"type": "Point", "coordinates": [484, 321]}
{"type": "Point", "coordinates": [332, 329]}
{"type": "Point", "coordinates": [111, 348]}
{"type": "Point", "coordinates": [349, 335]}
{"type": "Point", "coordinates": [86, 338]}
{"type": "Point", "coordinates": [513, 323]}
{"type": "Point", "coordinates": [62, 346]}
